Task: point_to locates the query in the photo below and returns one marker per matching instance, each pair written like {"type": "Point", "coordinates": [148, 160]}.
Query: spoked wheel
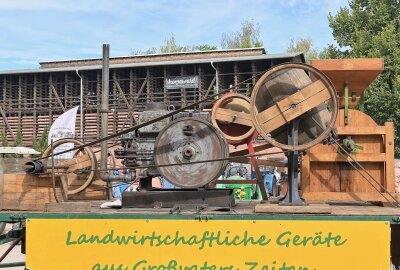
{"type": "Point", "coordinates": [77, 171]}
{"type": "Point", "coordinates": [290, 92]}
{"type": "Point", "coordinates": [231, 115]}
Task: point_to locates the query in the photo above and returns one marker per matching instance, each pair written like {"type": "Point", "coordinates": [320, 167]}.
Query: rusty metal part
{"type": "Point", "coordinates": [294, 91]}
{"type": "Point", "coordinates": [257, 148]}
{"type": "Point", "coordinates": [167, 198]}
{"type": "Point", "coordinates": [189, 140]}
{"type": "Point", "coordinates": [231, 115]}
{"type": "Point", "coordinates": [76, 174]}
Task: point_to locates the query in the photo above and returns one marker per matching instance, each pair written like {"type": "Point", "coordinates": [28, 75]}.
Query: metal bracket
{"type": "Point", "coordinates": [292, 196]}
{"type": "Point", "coordinates": [18, 217]}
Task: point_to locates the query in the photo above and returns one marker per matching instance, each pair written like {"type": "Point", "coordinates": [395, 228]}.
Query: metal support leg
{"type": "Point", "coordinates": [260, 181]}
{"type": "Point", "coordinates": [292, 196]}
{"type": "Point", "coordinates": [145, 184]}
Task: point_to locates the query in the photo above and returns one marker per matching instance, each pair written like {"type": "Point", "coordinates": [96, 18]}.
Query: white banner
{"type": "Point", "coordinates": [64, 127]}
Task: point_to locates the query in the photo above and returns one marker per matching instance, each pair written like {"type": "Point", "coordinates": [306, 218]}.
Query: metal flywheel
{"type": "Point", "coordinates": [187, 140]}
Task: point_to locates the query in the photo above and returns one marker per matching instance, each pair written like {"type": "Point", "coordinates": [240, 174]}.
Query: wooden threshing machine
{"type": "Point", "coordinates": [334, 152]}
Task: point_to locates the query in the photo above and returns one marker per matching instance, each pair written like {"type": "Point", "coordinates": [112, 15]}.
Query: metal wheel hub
{"type": "Point", "coordinates": [189, 151]}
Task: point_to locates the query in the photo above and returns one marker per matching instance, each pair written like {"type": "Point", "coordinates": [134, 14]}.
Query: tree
{"type": "Point", "coordinates": [4, 140]}
{"type": "Point", "coordinates": [247, 37]}
{"type": "Point", "coordinates": [18, 139]}
{"type": "Point", "coordinates": [41, 143]}
{"type": "Point", "coordinates": [333, 53]}
{"type": "Point", "coordinates": [171, 46]}
{"type": "Point", "coordinates": [204, 47]}
{"type": "Point", "coordinates": [304, 45]}
{"type": "Point", "coordinates": [372, 29]}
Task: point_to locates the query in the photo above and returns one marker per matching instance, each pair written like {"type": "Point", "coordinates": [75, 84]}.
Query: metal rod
{"type": "Point", "coordinates": [53, 177]}
{"type": "Point", "coordinates": [364, 170]}
{"type": "Point", "coordinates": [10, 248]}
{"type": "Point", "coordinates": [81, 106]}
{"type": "Point", "coordinates": [104, 105]}
{"type": "Point", "coordinates": [201, 161]}
{"type": "Point", "coordinates": [12, 264]}
{"type": "Point", "coordinates": [216, 77]}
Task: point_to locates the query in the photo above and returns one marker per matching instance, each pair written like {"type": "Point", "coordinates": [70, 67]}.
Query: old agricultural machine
{"type": "Point", "coordinates": [340, 186]}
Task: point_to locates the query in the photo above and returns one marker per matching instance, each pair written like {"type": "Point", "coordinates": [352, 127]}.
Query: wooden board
{"type": "Point", "coordinates": [234, 117]}
{"type": "Point", "coordinates": [324, 170]}
{"type": "Point", "coordinates": [324, 209]}
{"type": "Point", "coordinates": [348, 196]}
{"type": "Point", "coordinates": [359, 73]}
{"type": "Point", "coordinates": [68, 207]}
{"type": "Point", "coordinates": [298, 209]}
{"type": "Point", "coordinates": [27, 192]}
{"type": "Point", "coordinates": [293, 106]}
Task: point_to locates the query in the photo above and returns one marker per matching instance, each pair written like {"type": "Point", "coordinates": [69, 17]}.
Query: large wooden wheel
{"type": "Point", "coordinates": [289, 92]}
{"type": "Point", "coordinates": [76, 173]}
{"type": "Point", "coordinates": [231, 115]}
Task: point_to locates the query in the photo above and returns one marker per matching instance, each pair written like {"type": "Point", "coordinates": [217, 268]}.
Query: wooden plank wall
{"type": "Point", "coordinates": [20, 191]}
{"type": "Point", "coordinates": [31, 101]}
{"type": "Point", "coordinates": [326, 175]}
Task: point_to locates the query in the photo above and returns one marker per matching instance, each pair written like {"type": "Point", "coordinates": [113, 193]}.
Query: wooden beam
{"type": "Point", "coordinates": [354, 130]}
{"type": "Point", "coordinates": [336, 157]}
{"type": "Point", "coordinates": [246, 151]}
{"type": "Point", "coordinates": [348, 196]}
{"type": "Point", "coordinates": [7, 124]}
{"type": "Point", "coordinates": [293, 106]}
{"type": "Point", "coordinates": [298, 209]}
{"type": "Point", "coordinates": [121, 92]}
{"type": "Point", "coordinates": [264, 162]}
{"type": "Point", "coordinates": [210, 86]}
{"type": "Point", "coordinates": [53, 89]}
{"type": "Point", "coordinates": [389, 149]}
{"type": "Point", "coordinates": [233, 117]}
{"type": "Point", "coordinates": [136, 100]}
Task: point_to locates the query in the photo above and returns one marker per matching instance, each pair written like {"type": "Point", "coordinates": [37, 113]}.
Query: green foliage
{"type": "Point", "coordinates": [248, 36]}
{"type": "Point", "coordinates": [171, 46]}
{"type": "Point", "coordinates": [204, 47]}
{"type": "Point", "coordinates": [18, 139]}
{"type": "Point", "coordinates": [372, 29]}
{"type": "Point", "coordinates": [332, 52]}
{"type": "Point", "coordinates": [304, 45]}
{"type": "Point", "coordinates": [40, 144]}
{"type": "Point", "coordinates": [4, 140]}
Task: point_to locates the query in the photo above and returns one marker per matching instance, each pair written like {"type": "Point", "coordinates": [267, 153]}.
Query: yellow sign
{"type": "Point", "coordinates": [153, 244]}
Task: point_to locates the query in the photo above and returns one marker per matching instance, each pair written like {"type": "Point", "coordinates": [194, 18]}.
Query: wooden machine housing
{"type": "Point", "coordinates": [325, 173]}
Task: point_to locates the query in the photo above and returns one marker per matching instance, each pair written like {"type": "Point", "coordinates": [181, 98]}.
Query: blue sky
{"type": "Point", "coordinates": [44, 30]}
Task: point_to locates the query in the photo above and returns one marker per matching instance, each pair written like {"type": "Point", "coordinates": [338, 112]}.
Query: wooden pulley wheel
{"type": "Point", "coordinates": [187, 140]}
{"type": "Point", "coordinates": [231, 115]}
{"type": "Point", "coordinates": [289, 93]}
{"type": "Point", "coordinates": [77, 171]}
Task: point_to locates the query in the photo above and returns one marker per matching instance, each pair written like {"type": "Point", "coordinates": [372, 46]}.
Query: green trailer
{"type": "Point", "coordinates": [250, 236]}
